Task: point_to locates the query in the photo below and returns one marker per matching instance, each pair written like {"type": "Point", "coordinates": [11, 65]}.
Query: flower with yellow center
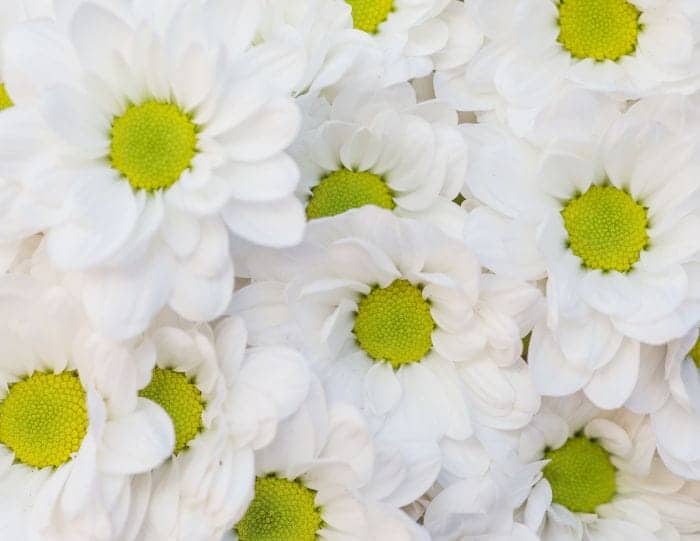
{"type": "Point", "coordinates": [367, 15]}
{"type": "Point", "coordinates": [5, 100]}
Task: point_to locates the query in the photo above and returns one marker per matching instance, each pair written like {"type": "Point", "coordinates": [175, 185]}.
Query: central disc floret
{"type": "Point", "coordinates": [5, 100]}
{"type": "Point", "coordinates": [367, 15]}
{"type": "Point", "coordinates": [607, 228]}
{"type": "Point", "coordinates": [181, 400]}
{"type": "Point", "coordinates": [694, 353]}
{"type": "Point", "coordinates": [152, 144]}
{"type": "Point", "coordinates": [581, 475]}
{"type": "Point", "coordinates": [281, 510]}
{"type": "Point", "coordinates": [344, 190]}
{"type": "Point", "coordinates": [598, 29]}
{"type": "Point", "coordinates": [394, 324]}
{"type": "Point", "coordinates": [43, 419]}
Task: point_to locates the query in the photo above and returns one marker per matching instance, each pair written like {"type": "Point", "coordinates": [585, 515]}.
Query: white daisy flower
{"type": "Point", "coordinates": [612, 228]}
{"type": "Point", "coordinates": [601, 479]}
{"type": "Point", "coordinates": [401, 322]}
{"type": "Point", "coordinates": [536, 49]}
{"type": "Point", "coordinates": [224, 403]}
{"type": "Point", "coordinates": [383, 148]}
{"type": "Point", "coordinates": [69, 441]}
{"type": "Point", "coordinates": [669, 378]}
{"type": "Point", "coordinates": [140, 148]}
{"type": "Point", "coordinates": [310, 482]}
{"type": "Point", "coordinates": [417, 36]}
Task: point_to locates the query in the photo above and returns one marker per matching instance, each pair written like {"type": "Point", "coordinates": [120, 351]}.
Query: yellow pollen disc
{"type": "Point", "coordinates": [367, 15]}
{"type": "Point", "coordinates": [694, 353]}
{"type": "Point", "coordinates": [598, 29]}
{"type": "Point", "coordinates": [607, 228]}
{"type": "Point", "coordinates": [394, 324]}
{"type": "Point", "coordinates": [43, 419]}
{"type": "Point", "coordinates": [152, 144]}
{"type": "Point", "coordinates": [5, 100]}
{"type": "Point", "coordinates": [181, 400]}
{"type": "Point", "coordinates": [281, 510]}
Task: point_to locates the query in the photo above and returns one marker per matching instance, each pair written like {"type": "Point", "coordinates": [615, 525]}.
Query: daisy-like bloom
{"type": "Point", "coordinates": [224, 402]}
{"type": "Point", "coordinates": [536, 49]}
{"type": "Point", "coordinates": [417, 36]}
{"type": "Point", "coordinates": [400, 321]}
{"type": "Point", "coordinates": [613, 229]}
{"type": "Point", "coordinates": [310, 482]}
{"type": "Point", "coordinates": [140, 147]}
{"type": "Point", "coordinates": [601, 478]}
{"type": "Point", "coordinates": [383, 148]}
{"type": "Point", "coordinates": [69, 439]}
{"type": "Point", "coordinates": [669, 379]}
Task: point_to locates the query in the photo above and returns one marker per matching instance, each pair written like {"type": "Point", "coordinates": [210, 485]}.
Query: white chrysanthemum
{"type": "Point", "coordinates": [668, 390]}
{"type": "Point", "coordinates": [224, 402]}
{"type": "Point", "coordinates": [139, 149]}
{"type": "Point", "coordinates": [311, 480]}
{"type": "Point", "coordinates": [401, 322]}
{"type": "Point", "coordinates": [537, 49]}
{"type": "Point", "coordinates": [601, 478]}
{"type": "Point", "coordinates": [417, 36]}
{"type": "Point", "coordinates": [612, 228]}
{"type": "Point", "coordinates": [70, 439]}
{"type": "Point", "coordinates": [383, 148]}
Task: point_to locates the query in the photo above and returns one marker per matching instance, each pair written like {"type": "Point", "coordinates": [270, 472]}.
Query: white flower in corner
{"type": "Point", "coordinates": [70, 442]}
{"type": "Point", "coordinates": [601, 478]}
{"type": "Point", "coordinates": [310, 482]}
{"type": "Point", "coordinates": [140, 147]}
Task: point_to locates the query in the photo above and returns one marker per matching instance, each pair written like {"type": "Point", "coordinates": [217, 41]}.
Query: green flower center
{"type": "Point", "coordinates": [367, 15]}
{"type": "Point", "coordinates": [152, 144]}
{"type": "Point", "coordinates": [607, 228]}
{"type": "Point", "coordinates": [5, 100]}
{"type": "Point", "coordinates": [344, 190]}
{"type": "Point", "coordinates": [694, 353]}
{"type": "Point", "coordinates": [281, 510]}
{"type": "Point", "coordinates": [598, 29]}
{"type": "Point", "coordinates": [43, 419]}
{"type": "Point", "coordinates": [394, 324]}
{"type": "Point", "coordinates": [181, 400]}
{"type": "Point", "coordinates": [581, 475]}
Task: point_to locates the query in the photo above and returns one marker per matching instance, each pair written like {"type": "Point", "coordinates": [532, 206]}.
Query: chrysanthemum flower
{"type": "Point", "coordinates": [139, 148]}
{"type": "Point", "coordinates": [70, 439]}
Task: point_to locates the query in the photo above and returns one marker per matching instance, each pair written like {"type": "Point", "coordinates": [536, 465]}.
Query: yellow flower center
{"type": "Point", "coordinates": [152, 144]}
{"type": "Point", "coordinates": [367, 15]}
{"type": "Point", "coordinates": [394, 324]}
{"type": "Point", "coordinates": [43, 419]}
{"type": "Point", "coordinates": [694, 353]}
{"type": "Point", "coordinates": [344, 190]}
{"type": "Point", "coordinates": [581, 475]}
{"type": "Point", "coordinates": [181, 400]}
{"type": "Point", "coordinates": [607, 228]}
{"type": "Point", "coordinates": [5, 100]}
{"type": "Point", "coordinates": [281, 510]}
{"type": "Point", "coordinates": [598, 29]}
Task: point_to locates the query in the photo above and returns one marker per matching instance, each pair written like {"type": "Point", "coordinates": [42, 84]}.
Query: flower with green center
{"type": "Point", "coordinates": [43, 419]}
{"type": "Point", "coordinates": [344, 190]}
{"type": "Point", "coordinates": [581, 475]}
{"type": "Point", "coordinates": [598, 29]}
{"type": "Point", "coordinates": [607, 228]}
{"type": "Point", "coordinates": [281, 510]}
{"type": "Point", "coordinates": [367, 15]}
{"type": "Point", "coordinates": [181, 400]}
{"type": "Point", "coordinates": [5, 100]}
{"type": "Point", "coordinates": [152, 144]}
{"type": "Point", "coordinates": [694, 353]}
{"type": "Point", "coordinates": [394, 324]}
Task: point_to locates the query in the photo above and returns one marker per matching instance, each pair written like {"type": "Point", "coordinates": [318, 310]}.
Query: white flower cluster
{"type": "Point", "coordinates": [349, 270]}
